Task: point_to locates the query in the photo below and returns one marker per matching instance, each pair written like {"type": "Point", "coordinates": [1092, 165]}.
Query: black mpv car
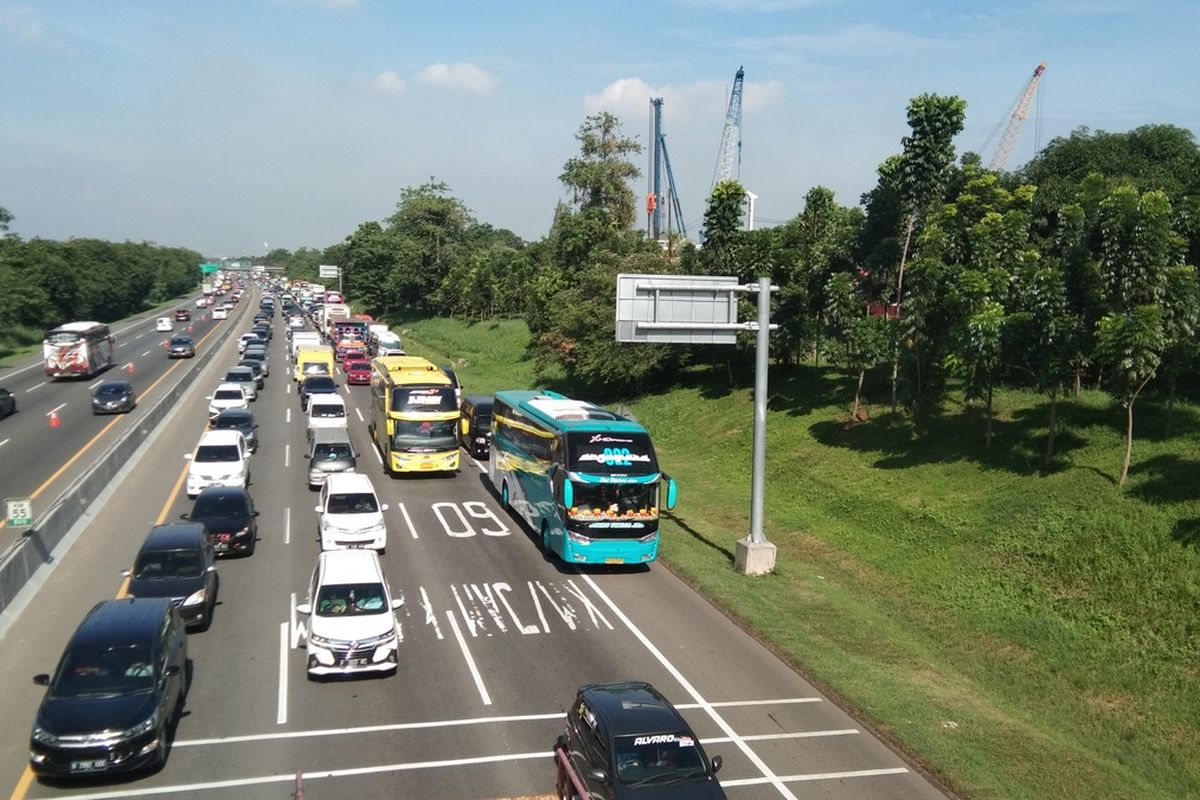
{"type": "Point", "coordinates": [113, 701]}
{"type": "Point", "coordinates": [178, 562]}
{"type": "Point", "coordinates": [315, 384]}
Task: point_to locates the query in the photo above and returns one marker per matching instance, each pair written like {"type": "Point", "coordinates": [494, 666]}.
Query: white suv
{"type": "Point", "coordinates": [221, 459]}
{"type": "Point", "coordinates": [350, 515]}
{"type": "Point", "coordinates": [227, 395]}
{"type": "Point", "coordinates": [351, 623]}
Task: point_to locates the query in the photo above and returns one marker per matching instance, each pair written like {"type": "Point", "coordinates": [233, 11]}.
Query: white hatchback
{"type": "Point", "coordinates": [220, 313]}
{"type": "Point", "coordinates": [221, 459]}
{"type": "Point", "coordinates": [350, 622]}
{"type": "Point", "coordinates": [164, 325]}
{"type": "Point", "coordinates": [350, 515]}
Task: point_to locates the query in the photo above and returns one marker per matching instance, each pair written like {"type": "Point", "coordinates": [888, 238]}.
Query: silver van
{"type": "Point", "coordinates": [330, 450]}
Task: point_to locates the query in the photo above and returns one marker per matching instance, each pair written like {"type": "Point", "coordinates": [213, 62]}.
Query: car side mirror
{"type": "Point", "coordinates": [187, 456]}
{"type": "Point", "coordinates": [306, 455]}
{"type": "Point", "coordinates": [317, 509]}
{"type": "Point", "coordinates": [42, 679]}
{"type": "Point", "coordinates": [304, 608]}
{"type": "Point", "coordinates": [716, 763]}
{"type": "Point", "coordinates": [171, 671]}
{"type": "Point", "coordinates": [125, 573]}
{"type": "Point", "coordinates": [397, 603]}
{"type": "Point", "coordinates": [255, 513]}
{"type": "Point", "coordinates": [598, 775]}
{"type": "Point", "coordinates": [184, 515]}
{"type": "Point", "coordinates": [383, 507]}
{"type": "Point", "coordinates": [211, 568]}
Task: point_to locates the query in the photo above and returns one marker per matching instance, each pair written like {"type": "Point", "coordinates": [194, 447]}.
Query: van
{"type": "Point", "coordinates": [177, 561]}
{"type": "Point", "coordinates": [475, 425]}
{"type": "Point", "coordinates": [350, 621]}
{"type": "Point", "coordinates": [313, 360]}
{"type": "Point", "coordinates": [221, 459]}
{"type": "Point", "coordinates": [329, 451]}
{"type": "Point", "coordinates": [388, 344]}
{"type": "Point", "coordinates": [349, 514]}
{"type": "Point", "coordinates": [112, 702]}
{"type": "Point", "coordinates": [325, 411]}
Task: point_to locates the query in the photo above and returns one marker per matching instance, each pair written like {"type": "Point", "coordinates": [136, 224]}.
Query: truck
{"type": "Point", "coordinates": [330, 313]}
{"type": "Point", "coordinates": [348, 334]}
{"type": "Point", "coordinates": [313, 360]}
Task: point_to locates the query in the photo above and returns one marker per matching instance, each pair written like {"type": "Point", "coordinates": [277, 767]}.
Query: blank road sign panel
{"type": "Point", "coordinates": [679, 309]}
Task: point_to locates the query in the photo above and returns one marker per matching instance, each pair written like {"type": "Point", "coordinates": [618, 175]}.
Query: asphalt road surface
{"type": "Point", "coordinates": [496, 638]}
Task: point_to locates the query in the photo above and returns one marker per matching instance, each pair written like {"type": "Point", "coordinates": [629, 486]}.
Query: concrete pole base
{"type": "Point", "coordinates": [754, 558]}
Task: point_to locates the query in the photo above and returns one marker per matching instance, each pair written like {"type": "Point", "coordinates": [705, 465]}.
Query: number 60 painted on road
{"type": "Point", "coordinates": [463, 529]}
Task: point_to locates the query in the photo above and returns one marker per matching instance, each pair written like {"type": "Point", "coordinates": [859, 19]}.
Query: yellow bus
{"type": "Point", "coordinates": [414, 415]}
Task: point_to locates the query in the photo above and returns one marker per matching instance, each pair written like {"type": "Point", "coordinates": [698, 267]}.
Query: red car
{"type": "Point", "coordinates": [358, 371]}
{"type": "Point", "coordinates": [183, 315]}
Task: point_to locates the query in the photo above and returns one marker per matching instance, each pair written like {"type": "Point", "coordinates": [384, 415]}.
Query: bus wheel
{"type": "Point", "coordinates": [546, 540]}
{"type": "Point", "coordinates": [504, 496]}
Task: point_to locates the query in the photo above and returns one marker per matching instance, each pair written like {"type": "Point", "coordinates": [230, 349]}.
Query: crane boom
{"type": "Point", "coordinates": [1016, 120]}
{"type": "Point", "coordinates": [729, 156]}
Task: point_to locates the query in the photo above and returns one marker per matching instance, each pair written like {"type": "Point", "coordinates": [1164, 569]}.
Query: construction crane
{"type": "Point", "coordinates": [729, 156]}
{"type": "Point", "coordinates": [654, 201]}
{"type": "Point", "coordinates": [1020, 112]}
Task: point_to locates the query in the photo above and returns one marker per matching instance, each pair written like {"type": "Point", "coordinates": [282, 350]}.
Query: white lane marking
{"type": "Point", "coordinates": [770, 737]}
{"type": "Point", "coordinates": [122, 344]}
{"type": "Point", "coordinates": [296, 633]}
{"type": "Point", "coordinates": [375, 450]}
{"type": "Point", "coordinates": [281, 714]}
{"type": "Point", "coordinates": [333, 773]}
{"type": "Point", "coordinates": [819, 776]}
{"type": "Point", "coordinates": [462, 643]}
{"type": "Point", "coordinates": [289, 389]}
{"type": "Point", "coordinates": [38, 386]}
{"type": "Point", "coordinates": [430, 613]}
{"type": "Point", "coordinates": [360, 416]}
{"type": "Point", "coordinates": [288, 417]}
{"type": "Point", "coordinates": [408, 520]}
{"type": "Point", "coordinates": [140, 335]}
{"type": "Point", "coordinates": [97, 383]}
{"type": "Point", "coordinates": [129, 364]}
{"type": "Point", "coordinates": [287, 525]}
{"type": "Point", "coordinates": [741, 703]}
{"type": "Point", "coordinates": [58, 407]}
{"type": "Point", "coordinates": [6, 441]}
{"type": "Point", "coordinates": [287, 455]}
{"type": "Point", "coordinates": [143, 355]}
{"type": "Point", "coordinates": [766, 771]}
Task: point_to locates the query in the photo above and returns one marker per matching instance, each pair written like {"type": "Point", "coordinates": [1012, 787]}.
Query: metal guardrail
{"type": "Point", "coordinates": [34, 547]}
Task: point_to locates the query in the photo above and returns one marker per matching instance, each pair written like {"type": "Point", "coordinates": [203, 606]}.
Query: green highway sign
{"type": "Point", "coordinates": [209, 267]}
{"type": "Point", "coordinates": [18, 512]}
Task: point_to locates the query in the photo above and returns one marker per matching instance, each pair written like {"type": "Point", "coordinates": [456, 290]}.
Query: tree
{"type": "Point", "coordinates": [928, 155]}
{"type": "Point", "coordinates": [598, 178]}
{"type": "Point", "coordinates": [722, 228]}
{"type": "Point", "coordinates": [863, 340]}
{"type": "Point", "coordinates": [5, 218]}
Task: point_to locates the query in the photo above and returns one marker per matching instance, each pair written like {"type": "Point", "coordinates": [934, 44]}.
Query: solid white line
{"type": "Point", "coordinates": [38, 386]}
{"type": "Point", "coordinates": [288, 417]}
{"type": "Point", "coordinates": [766, 771]}
{"type": "Point", "coordinates": [287, 455]}
{"type": "Point", "coordinates": [819, 776]}
{"type": "Point", "coordinates": [741, 703]}
{"type": "Point", "coordinates": [770, 737]}
{"type": "Point", "coordinates": [281, 715]}
{"type": "Point", "coordinates": [375, 450]}
{"type": "Point", "coordinates": [360, 416]}
{"type": "Point", "coordinates": [287, 525]}
{"type": "Point", "coordinates": [58, 407]}
{"type": "Point", "coordinates": [97, 383]}
{"type": "Point", "coordinates": [398, 726]}
{"type": "Point", "coordinates": [408, 521]}
{"type": "Point", "coordinates": [483, 693]}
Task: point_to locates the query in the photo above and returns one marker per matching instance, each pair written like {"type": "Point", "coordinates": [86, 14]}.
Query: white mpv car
{"type": "Point", "coordinates": [221, 459]}
{"type": "Point", "coordinates": [349, 617]}
{"type": "Point", "coordinates": [227, 395]}
{"type": "Point", "coordinates": [350, 515]}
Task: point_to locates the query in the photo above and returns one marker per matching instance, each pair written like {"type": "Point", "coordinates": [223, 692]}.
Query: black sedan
{"type": "Point", "coordinates": [181, 347]}
{"type": "Point", "coordinates": [229, 517]}
{"type": "Point", "coordinates": [315, 384]}
{"type": "Point", "coordinates": [8, 403]}
{"type": "Point", "coordinates": [237, 419]}
{"type": "Point", "coordinates": [114, 397]}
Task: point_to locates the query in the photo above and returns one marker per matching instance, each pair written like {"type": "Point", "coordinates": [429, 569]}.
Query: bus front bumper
{"type": "Point", "coordinates": [425, 462]}
{"type": "Point", "coordinates": [579, 549]}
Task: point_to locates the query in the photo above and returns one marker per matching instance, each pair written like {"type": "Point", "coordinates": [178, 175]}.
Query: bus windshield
{"type": "Point", "coordinates": [425, 436]}
{"type": "Point", "coordinates": [610, 453]}
{"type": "Point", "coordinates": [63, 337]}
{"type": "Point", "coordinates": [613, 501]}
{"type": "Point", "coordinates": [428, 399]}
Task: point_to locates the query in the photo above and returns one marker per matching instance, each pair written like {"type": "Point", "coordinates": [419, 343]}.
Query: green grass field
{"type": "Point", "coordinates": [1020, 635]}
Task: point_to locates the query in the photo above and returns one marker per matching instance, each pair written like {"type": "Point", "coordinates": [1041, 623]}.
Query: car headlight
{"type": "Point", "coordinates": [242, 532]}
{"type": "Point", "coordinates": [197, 597]}
{"type": "Point", "coordinates": [320, 641]}
{"type": "Point", "coordinates": [480, 440]}
{"type": "Point", "coordinates": [43, 736]}
{"type": "Point", "coordinates": [143, 727]}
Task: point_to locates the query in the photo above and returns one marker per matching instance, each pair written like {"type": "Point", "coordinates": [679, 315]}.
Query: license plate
{"type": "Point", "coordinates": [614, 561]}
{"type": "Point", "coordinates": [220, 547]}
{"type": "Point", "coordinates": [92, 765]}
{"type": "Point", "coordinates": [354, 662]}
{"type": "Point", "coordinates": [426, 465]}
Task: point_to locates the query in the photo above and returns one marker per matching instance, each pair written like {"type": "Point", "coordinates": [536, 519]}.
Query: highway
{"type": "Point", "coordinates": [496, 639]}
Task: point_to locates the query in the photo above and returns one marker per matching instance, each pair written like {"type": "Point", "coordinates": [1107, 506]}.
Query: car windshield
{"type": "Point", "coordinates": [104, 671]}
{"type": "Point", "coordinates": [255, 354]}
{"type": "Point", "coordinates": [158, 565]}
{"type": "Point", "coordinates": [351, 599]}
{"type": "Point", "coordinates": [111, 389]}
{"type": "Point", "coordinates": [352, 503]}
{"type": "Point", "coordinates": [219, 505]}
{"type": "Point", "coordinates": [229, 394]}
{"type": "Point", "coordinates": [665, 758]}
{"type": "Point", "coordinates": [328, 410]}
{"type": "Point", "coordinates": [237, 375]}
{"type": "Point", "coordinates": [334, 451]}
{"type": "Point", "coordinates": [181, 341]}
{"type": "Point", "coordinates": [212, 453]}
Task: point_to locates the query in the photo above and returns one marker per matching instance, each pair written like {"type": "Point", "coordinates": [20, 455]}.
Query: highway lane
{"type": "Point", "coordinates": [33, 452]}
{"type": "Point", "coordinates": [496, 639]}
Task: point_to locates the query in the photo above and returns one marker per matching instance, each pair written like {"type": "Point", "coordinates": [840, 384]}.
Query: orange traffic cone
{"type": "Point", "coordinates": [129, 367]}
{"type": "Point", "coordinates": [189, 328]}
{"type": "Point", "coordinates": [54, 418]}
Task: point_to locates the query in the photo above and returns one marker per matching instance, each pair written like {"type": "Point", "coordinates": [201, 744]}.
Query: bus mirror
{"type": "Point", "coordinates": [671, 493]}
{"type": "Point", "coordinates": [462, 424]}
{"type": "Point", "coordinates": [568, 494]}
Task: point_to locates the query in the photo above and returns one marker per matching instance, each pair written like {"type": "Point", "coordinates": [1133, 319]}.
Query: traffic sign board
{"type": "Point", "coordinates": [18, 512]}
{"type": "Point", "coordinates": [327, 270]}
{"type": "Point", "coordinates": [209, 267]}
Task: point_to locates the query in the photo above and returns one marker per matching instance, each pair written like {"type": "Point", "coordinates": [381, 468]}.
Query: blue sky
{"type": "Point", "coordinates": [226, 124]}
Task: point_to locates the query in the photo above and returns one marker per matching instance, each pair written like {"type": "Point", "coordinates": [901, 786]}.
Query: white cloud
{"type": "Point", "coordinates": [854, 41]}
{"type": "Point", "coordinates": [459, 78]}
{"type": "Point", "coordinates": [388, 82]}
{"type": "Point", "coordinates": [629, 98]}
{"type": "Point", "coordinates": [21, 23]}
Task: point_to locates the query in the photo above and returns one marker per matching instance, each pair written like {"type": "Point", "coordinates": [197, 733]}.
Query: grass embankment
{"type": "Point", "coordinates": [1022, 635]}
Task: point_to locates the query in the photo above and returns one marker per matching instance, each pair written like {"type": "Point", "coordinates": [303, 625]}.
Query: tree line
{"type": "Point", "coordinates": [44, 283]}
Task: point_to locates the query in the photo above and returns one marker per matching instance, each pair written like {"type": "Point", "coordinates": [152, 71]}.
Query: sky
{"type": "Point", "coordinates": [237, 126]}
